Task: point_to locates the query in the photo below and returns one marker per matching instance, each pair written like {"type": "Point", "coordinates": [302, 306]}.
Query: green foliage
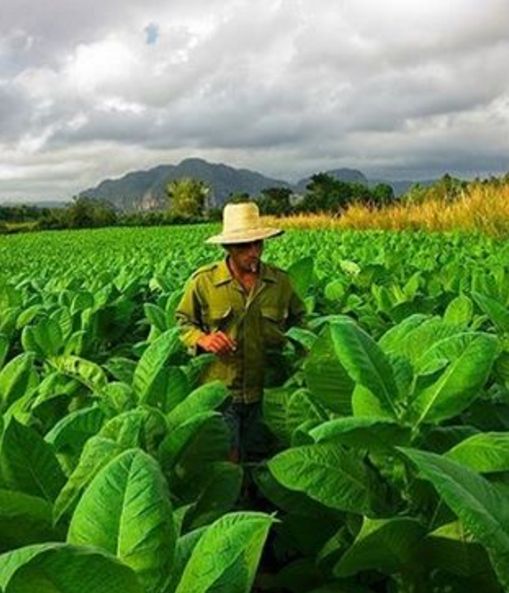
{"type": "Point", "coordinates": [187, 197]}
{"type": "Point", "coordinates": [108, 439]}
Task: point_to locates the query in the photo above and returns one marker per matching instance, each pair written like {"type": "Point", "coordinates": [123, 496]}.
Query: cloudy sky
{"type": "Point", "coordinates": [398, 89]}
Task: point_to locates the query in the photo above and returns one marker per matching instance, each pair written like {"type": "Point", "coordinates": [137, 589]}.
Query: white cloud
{"type": "Point", "coordinates": [397, 88]}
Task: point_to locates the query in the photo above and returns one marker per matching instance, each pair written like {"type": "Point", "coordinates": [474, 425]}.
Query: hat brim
{"type": "Point", "coordinates": [244, 236]}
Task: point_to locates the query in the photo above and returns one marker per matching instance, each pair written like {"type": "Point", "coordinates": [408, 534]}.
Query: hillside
{"type": "Point", "coordinates": [145, 190]}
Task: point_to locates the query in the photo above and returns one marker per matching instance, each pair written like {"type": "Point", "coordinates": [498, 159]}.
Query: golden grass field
{"type": "Point", "coordinates": [482, 207]}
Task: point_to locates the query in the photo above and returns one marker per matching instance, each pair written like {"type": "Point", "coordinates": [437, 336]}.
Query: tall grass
{"type": "Point", "coordinates": [481, 207]}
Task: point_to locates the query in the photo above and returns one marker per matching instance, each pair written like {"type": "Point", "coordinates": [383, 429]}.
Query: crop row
{"type": "Point", "coordinates": [392, 456]}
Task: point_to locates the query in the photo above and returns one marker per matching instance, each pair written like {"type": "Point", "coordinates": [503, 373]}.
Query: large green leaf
{"type": "Point", "coordinates": [460, 311]}
{"type": "Point", "coordinates": [384, 545]}
{"type": "Point", "coordinates": [126, 511]}
{"type": "Point", "coordinates": [472, 356]}
{"type": "Point", "coordinates": [28, 463]}
{"type": "Point", "coordinates": [329, 474]}
{"type": "Point", "coordinates": [326, 377]}
{"type": "Point", "coordinates": [452, 549]}
{"type": "Point", "coordinates": [214, 493]}
{"type": "Point", "coordinates": [302, 408]}
{"type": "Point", "coordinates": [363, 433]}
{"type": "Point", "coordinates": [62, 568]}
{"type": "Point", "coordinates": [231, 547]}
{"type": "Point", "coordinates": [15, 379]}
{"type": "Point", "coordinates": [483, 452]}
{"type": "Point", "coordinates": [157, 355]}
{"type": "Point", "coordinates": [366, 363]}
{"type": "Point", "coordinates": [211, 443]}
{"type": "Point", "coordinates": [275, 404]}
{"type": "Point", "coordinates": [481, 507]}
{"type": "Point", "coordinates": [494, 309]}
{"type": "Point", "coordinates": [85, 371]}
{"type": "Point", "coordinates": [301, 273]}
{"type": "Point", "coordinates": [45, 338]}
{"type": "Point", "coordinates": [24, 520]}
{"type": "Point", "coordinates": [180, 437]}
{"type": "Point", "coordinates": [206, 398]}
{"type": "Point", "coordinates": [97, 452]}
{"type": "Point", "coordinates": [394, 341]}
{"type": "Point", "coordinates": [72, 431]}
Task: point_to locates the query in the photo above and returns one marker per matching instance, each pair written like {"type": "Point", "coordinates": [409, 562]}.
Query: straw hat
{"type": "Point", "coordinates": [242, 224]}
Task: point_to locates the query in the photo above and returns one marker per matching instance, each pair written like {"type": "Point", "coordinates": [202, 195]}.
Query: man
{"type": "Point", "coordinates": [239, 310]}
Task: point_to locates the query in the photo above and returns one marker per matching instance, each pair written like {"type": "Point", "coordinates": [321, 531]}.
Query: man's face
{"type": "Point", "coordinates": [246, 256]}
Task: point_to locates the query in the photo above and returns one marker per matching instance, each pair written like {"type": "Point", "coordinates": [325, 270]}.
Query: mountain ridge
{"type": "Point", "coordinates": [144, 190]}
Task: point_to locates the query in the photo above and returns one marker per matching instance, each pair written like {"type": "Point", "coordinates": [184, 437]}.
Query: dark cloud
{"type": "Point", "coordinates": [392, 88]}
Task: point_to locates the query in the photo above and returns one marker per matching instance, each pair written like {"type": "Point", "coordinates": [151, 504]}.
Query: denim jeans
{"type": "Point", "coordinates": [250, 436]}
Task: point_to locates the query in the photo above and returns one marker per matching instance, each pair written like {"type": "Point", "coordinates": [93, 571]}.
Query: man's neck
{"type": "Point", "coordinates": [247, 279]}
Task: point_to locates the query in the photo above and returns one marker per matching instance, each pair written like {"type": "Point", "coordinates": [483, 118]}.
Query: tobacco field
{"type": "Point", "coordinates": [390, 471]}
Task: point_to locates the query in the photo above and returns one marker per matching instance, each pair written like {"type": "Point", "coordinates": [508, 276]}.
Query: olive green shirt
{"type": "Point", "coordinates": [215, 301]}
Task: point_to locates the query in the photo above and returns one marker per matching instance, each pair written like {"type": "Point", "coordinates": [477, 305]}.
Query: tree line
{"type": "Point", "coordinates": [191, 201]}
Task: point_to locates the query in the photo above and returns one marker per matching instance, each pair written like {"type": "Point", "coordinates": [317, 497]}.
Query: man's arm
{"type": "Point", "coordinates": [189, 318]}
{"type": "Point", "coordinates": [192, 330]}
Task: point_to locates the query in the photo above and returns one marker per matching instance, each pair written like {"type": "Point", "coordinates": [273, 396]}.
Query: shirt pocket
{"type": "Point", "coordinates": [273, 321]}
{"type": "Point", "coordinates": [219, 318]}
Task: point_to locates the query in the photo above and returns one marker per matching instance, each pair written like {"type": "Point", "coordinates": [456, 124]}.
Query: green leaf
{"type": "Point", "coordinates": [366, 363]}
{"type": "Point", "coordinates": [24, 520]}
{"type": "Point", "coordinates": [452, 549]}
{"type": "Point", "coordinates": [204, 399]}
{"type": "Point", "coordinates": [179, 438]}
{"type": "Point", "coordinates": [275, 404]}
{"type": "Point", "coordinates": [82, 300]}
{"type": "Point", "coordinates": [72, 431]}
{"type": "Point", "coordinates": [122, 369]}
{"type": "Point", "coordinates": [460, 311]}
{"type": "Point", "coordinates": [483, 452]}
{"type": "Point", "coordinates": [214, 493]}
{"type": "Point", "coordinates": [117, 397]}
{"type": "Point", "coordinates": [327, 473]}
{"type": "Point", "coordinates": [46, 336]}
{"type": "Point", "coordinates": [28, 463]}
{"type": "Point", "coordinates": [394, 341]}
{"type": "Point", "coordinates": [235, 541]}
{"type": "Point", "coordinates": [326, 377]}
{"type": "Point", "coordinates": [85, 371]}
{"type": "Point", "coordinates": [4, 348]}
{"type": "Point", "coordinates": [126, 511]}
{"type": "Point", "coordinates": [301, 274]}
{"type": "Point", "coordinates": [97, 452]}
{"type": "Point", "coordinates": [290, 501]}
{"type": "Point", "coordinates": [481, 507]}
{"type": "Point", "coordinates": [494, 309]}
{"type": "Point", "coordinates": [384, 545]}
{"type": "Point", "coordinates": [15, 379]}
{"type": "Point", "coordinates": [178, 388]}
{"type": "Point", "coordinates": [157, 355]}
{"type": "Point", "coordinates": [472, 356]}
{"type": "Point", "coordinates": [302, 408]}
{"type": "Point", "coordinates": [156, 316]}
{"type": "Point", "coordinates": [61, 568]}
{"type": "Point", "coordinates": [362, 433]}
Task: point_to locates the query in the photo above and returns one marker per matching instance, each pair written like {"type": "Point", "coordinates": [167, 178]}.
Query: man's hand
{"type": "Point", "coordinates": [217, 343]}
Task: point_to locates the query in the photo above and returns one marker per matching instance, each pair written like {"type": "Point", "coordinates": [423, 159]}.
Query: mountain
{"type": "Point", "coordinates": [145, 190]}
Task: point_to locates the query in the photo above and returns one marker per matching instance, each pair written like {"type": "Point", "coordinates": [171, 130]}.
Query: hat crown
{"type": "Point", "coordinates": [242, 224]}
{"type": "Point", "coordinates": [240, 217]}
